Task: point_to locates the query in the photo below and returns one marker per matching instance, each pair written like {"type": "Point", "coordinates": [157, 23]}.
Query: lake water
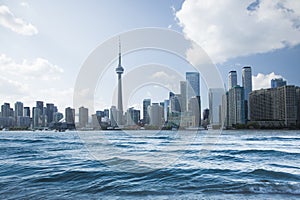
{"type": "Point", "coordinates": [150, 165]}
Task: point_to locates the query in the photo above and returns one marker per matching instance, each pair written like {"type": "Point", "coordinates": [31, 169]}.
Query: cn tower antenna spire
{"type": "Point", "coordinates": [120, 56]}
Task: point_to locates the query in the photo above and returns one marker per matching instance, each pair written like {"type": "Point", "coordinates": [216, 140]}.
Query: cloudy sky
{"type": "Point", "coordinates": [45, 43]}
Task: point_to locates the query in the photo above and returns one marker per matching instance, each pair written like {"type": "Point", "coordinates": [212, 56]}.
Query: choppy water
{"type": "Point", "coordinates": [150, 165]}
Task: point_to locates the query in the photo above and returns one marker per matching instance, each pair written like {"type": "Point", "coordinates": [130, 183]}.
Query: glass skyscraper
{"type": "Point", "coordinates": [247, 81]}
{"type": "Point", "coordinates": [232, 79]}
{"type": "Point", "coordinates": [146, 117]}
{"type": "Point", "coordinates": [193, 84]}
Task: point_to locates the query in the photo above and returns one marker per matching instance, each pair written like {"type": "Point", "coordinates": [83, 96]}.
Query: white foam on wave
{"type": "Point", "coordinates": [270, 188]}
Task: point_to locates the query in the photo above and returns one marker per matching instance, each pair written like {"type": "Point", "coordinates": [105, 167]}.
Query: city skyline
{"type": "Point", "coordinates": [228, 108]}
{"type": "Point", "coordinates": [40, 57]}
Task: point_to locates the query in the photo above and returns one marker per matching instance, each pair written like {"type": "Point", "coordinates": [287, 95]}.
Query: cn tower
{"type": "Point", "coordinates": [119, 71]}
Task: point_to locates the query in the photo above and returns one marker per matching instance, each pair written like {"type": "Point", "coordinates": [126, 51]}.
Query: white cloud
{"type": "Point", "coordinates": [261, 81]}
{"type": "Point", "coordinates": [39, 68]}
{"type": "Point", "coordinates": [230, 28]}
{"type": "Point", "coordinates": [12, 87]}
{"type": "Point", "coordinates": [24, 4]}
{"type": "Point", "coordinates": [18, 25]}
{"type": "Point", "coordinates": [32, 80]}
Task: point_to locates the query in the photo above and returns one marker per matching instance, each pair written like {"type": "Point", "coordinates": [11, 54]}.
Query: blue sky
{"type": "Point", "coordinates": [44, 43]}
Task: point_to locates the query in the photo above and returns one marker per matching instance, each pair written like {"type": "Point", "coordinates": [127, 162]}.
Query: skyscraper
{"type": "Point", "coordinates": [232, 79]}
{"type": "Point", "coordinates": [146, 117]}
{"type": "Point", "coordinates": [236, 107]}
{"type": "Point", "coordinates": [5, 110]}
{"type": "Point", "coordinates": [106, 113]}
{"type": "Point", "coordinates": [133, 116]}
{"type": "Point", "coordinates": [19, 109]}
{"type": "Point", "coordinates": [166, 109]}
{"type": "Point", "coordinates": [247, 84]}
{"type": "Point", "coordinates": [277, 82]}
{"type": "Point", "coordinates": [120, 71]}
{"type": "Point", "coordinates": [175, 103]}
{"type": "Point", "coordinates": [26, 112]}
{"type": "Point", "coordinates": [183, 90]}
{"type": "Point", "coordinates": [50, 109]}
{"type": "Point", "coordinates": [193, 84]}
{"type": "Point", "coordinates": [83, 117]}
{"type": "Point", "coordinates": [38, 115]}
{"type": "Point", "coordinates": [156, 115]}
{"type": "Point", "coordinates": [195, 109]}
{"type": "Point", "coordinates": [70, 115]}
{"type": "Point", "coordinates": [215, 105]}
{"type": "Point", "coordinates": [113, 116]}
{"type": "Point", "coordinates": [247, 81]}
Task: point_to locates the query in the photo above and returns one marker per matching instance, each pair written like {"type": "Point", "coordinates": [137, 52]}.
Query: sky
{"type": "Point", "coordinates": [45, 43]}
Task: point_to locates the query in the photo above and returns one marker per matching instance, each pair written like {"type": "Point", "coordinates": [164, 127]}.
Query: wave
{"type": "Point", "coordinates": [267, 188]}
{"type": "Point", "coordinates": [272, 153]}
{"type": "Point", "coordinates": [274, 175]}
{"type": "Point", "coordinates": [272, 139]}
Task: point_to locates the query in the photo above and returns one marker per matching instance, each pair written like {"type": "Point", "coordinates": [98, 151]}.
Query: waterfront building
{"type": "Point", "coordinates": [83, 117]}
{"type": "Point", "coordinates": [50, 110]}
{"type": "Point", "coordinates": [232, 79]}
{"type": "Point", "coordinates": [133, 116]}
{"type": "Point", "coordinates": [215, 105]}
{"type": "Point", "coordinates": [23, 122]}
{"type": "Point", "coordinates": [6, 110]}
{"type": "Point", "coordinates": [236, 106]}
{"type": "Point", "coordinates": [206, 114]}
{"type": "Point", "coordinates": [166, 110]}
{"type": "Point", "coordinates": [278, 82]}
{"type": "Point", "coordinates": [57, 116]}
{"type": "Point", "coordinates": [7, 122]}
{"type": "Point", "coordinates": [100, 113]}
{"type": "Point", "coordinates": [39, 115]}
{"type": "Point", "coordinates": [19, 109]}
{"type": "Point", "coordinates": [194, 108]}
{"type": "Point", "coordinates": [106, 113]}
{"type": "Point", "coordinates": [70, 115]}
{"type": "Point", "coordinates": [247, 85]}
{"type": "Point", "coordinates": [96, 120]}
{"type": "Point", "coordinates": [275, 107]}
{"type": "Point", "coordinates": [247, 81]}
{"type": "Point", "coordinates": [225, 108]}
{"type": "Point", "coordinates": [183, 93]}
{"type": "Point", "coordinates": [7, 118]}
{"type": "Point", "coordinates": [26, 112]}
{"type": "Point", "coordinates": [192, 84]}
{"type": "Point", "coordinates": [175, 102]}
{"type": "Point", "coordinates": [146, 117]}
{"type": "Point", "coordinates": [156, 115]}
{"type": "Point", "coordinates": [113, 116]}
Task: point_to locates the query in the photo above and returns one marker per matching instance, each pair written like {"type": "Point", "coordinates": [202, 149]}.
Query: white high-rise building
{"type": "Point", "coordinates": [156, 115]}
{"type": "Point", "coordinates": [232, 79]}
{"type": "Point", "coordinates": [113, 116]}
{"type": "Point", "coordinates": [215, 106]}
{"type": "Point", "coordinates": [83, 117]}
